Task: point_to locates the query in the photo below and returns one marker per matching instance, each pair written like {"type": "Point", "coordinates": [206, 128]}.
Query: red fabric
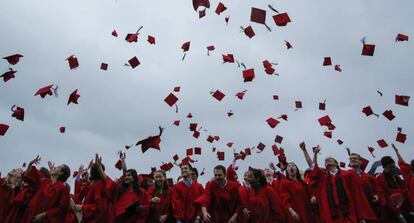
{"type": "Point", "coordinates": [6, 197]}
{"type": "Point", "coordinates": [408, 177]}
{"type": "Point", "coordinates": [125, 200]}
{"type": "Point", "coordinates": [111, 192]}
{"type": "Point", "coordinates": [51, 198]}
{"type": "Point", "coordinates": [295, 195]}
{"type": "Point", "coordinates": [264, 205]}
{"type": "Point", "coordinates": [231, 174]}
{"type": "Point", "coordinates": [221, 203]}
{"type": "Point", "coordinates": [357, 208]}
{"type": "Point", "coordinates": [243, 193]}
{"type": "Point", "coordinates": [370, 188]}
{"type": "Point", "coordinates": [386, 190]}
{"type": "Point", "coordinates": [182, 201]}
{"type": "Point", "coordinates": [161, 208]}
{"type": "Point", "coordinates": [19, 204]}
{"type": "Point", "coordinates": [95, 205]}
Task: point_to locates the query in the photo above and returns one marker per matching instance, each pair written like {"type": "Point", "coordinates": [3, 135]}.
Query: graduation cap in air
{"type": "Point", "coordinates": [62, 129]}
{"type": "Point", "coordinates": [401, 137]}
{"type": "Point", "coordinates": [367, 49]}
{"type": "Point", "coordinates": [327, 61]}
{"type": "Point", "coordinates": [382, 143]}
{"type": "Point", "coordinates": [151, 40]}
{"type": "Point", "coordinates": [218, 95]}
{"type": "Point", "coordinates": [151, 142]}
{"type": "Point", "coordinates": [328, 134]}
{"type": "Point", "coordinates": [199, 3]}
{"type": "Point", "coordinates": [18, 113]}
{"type": "Point", "coordinates": [197, 150]}
{"type": "Point", "coordinates": [371, 150]}
{"type": "Point", "coordinates": [185, 47]}
{"type": "Point", "coordinates": [269, 67]}
{"type": "Point", "coordinates": [278, 139]}
{"type": "Point", "coordinates": [368, 111]}
{"type": "Point", "coordinates": [338, 68]}
{"type": "Point", "coordinates": [73, 97]}
{"type": "Point", "coordinates": [272, 122]}
{"type": "Point", "coordinates": [288, 44]}
{"type": "Point", "coordinates": [3, 129]}
{"type": "Point", "coordinates": [248, 31]}
{"type": "Point", "coordinates": [259, 16]}
{"type": "Point", "coordinates": [210, 139]}
{"type": "Point", "coordinates": [220, 8]}
{"type": "Point", "coordinates": [220, 155]}
{"type": "Point", "coordinates": [402, 100]}
{"type": "Point", "coordinates": [166, 166]}
{"type": "Point", "coordinates": [322, 105]}
{"type": "Point", "coordinates": [193, 126]}
{"type": "Point", "coordinates": [248, 75]}
{"type": "Point", "coordinates": [201, 13]}
{"type": "Point", "coordinates": [133, 37]}
{"type": "Point", "coordinates": [118, 164]}
{"type": "Point", "coordinates": [226, 19]}
{"type": "Point", "coordinates": [275, 97]}
{"type": "Point", "coordinates": [171, 99]}
{"type": "Point", "coordinates": [228, 58]}
{"type": "Point", "coordinates": [298, 105]}
{"type": "Point", "coordinates": [13, 59]}
{"type": "Point", "coordinates": [47, 90]}
{"type": "Point", "coordinates": [8, 75]}
{"type": "Point", "coordinates": [210, 48]}
{"type": "Point", "coordinates": [401, 37]}
{"type": "Point", "coordinates": [176, 122]}
{"type": "Point", "coordinates": [104, 66]}
{"type": "Point", "coordinates": [261, 147]}
{"type": "Point", "coordinates": [389, 115]}
{"type": "Point", "coordinates": [196, 134]}
{"type": "Point", "coordinates": [73, 62]}
{"type": "Point", "coordinates": [114, 33]}
{"type": "Point", "coordinates": [325, 120]}
{"type": "Point", "coordinates": [281, 19]}
{"type": "Point", "coordinates": [240, 94]}
{"type": "Point", "coordinates": [134, 62]}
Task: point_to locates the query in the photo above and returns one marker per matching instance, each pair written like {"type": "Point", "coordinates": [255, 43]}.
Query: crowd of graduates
{"type": "Point", "coordinates": [318, 195]}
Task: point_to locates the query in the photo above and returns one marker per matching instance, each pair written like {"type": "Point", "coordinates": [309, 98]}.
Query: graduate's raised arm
{"type": "Point", "coordinates": [308, 159]}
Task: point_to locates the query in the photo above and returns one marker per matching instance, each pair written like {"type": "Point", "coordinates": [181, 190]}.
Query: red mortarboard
{"type": "Point", "coordinates": [371, 150]}
{"type": "Point", "coordinates": [249, 31]}
{"type": "Point", "coordinates": [118, 165]}
{"type": "Point", "coordinates": [218, 95]}
{"type": "Point", "coordinates": [322, 106]}
{"type": "Point", "coordinates": [8, 75]}
{"type": "Point", "coordinates": [331, 126]}
{"type": "Point", "coordinates": [275, 97]}
{"type": "Point", "coordinates": [170, 182]}
{"type": "Point", "coordinates": [248, 75]}
{"type": "Point", "coordinates": [18, 113]}
{"type": "Point", "coordinates": [248, 151]}
{"type": "Point", "coordinates": [73, 62]}
{"type": "Point", "coordinates": [13, 59]}
{"type": "Point", "coordinates": [114, 33]}
{"type": "Point", "coordinates": [201, 13]}
{"type": "Point", "coordinates": [229, 144]}
{"type": "Point", "coordinates": [171, 99]}
{"type": "Point", "coordinates": [258, 15]}
{"type": "Point", "coordinates": [278, 139]}
{"type": "Point", "coordinates": [327, 61]}
{"type": "Point", "coordinates": [261, 146]}
{"type": "Point", "coordinates": [338, 68]}
{"type": "Point", "coordinates": [401, 137]}
{"type": "Point", "coordinates": [167, 166]}
{"type": "Point", "coordinates": [325, 120]}
{"type": "Point", "coordinates": [230, 113]}
{"type": "Point", "coordinates": [214, 149]}
{"type": "Point", "coordinates": [198, 3]}
{"type": "Point", "coordinates": [220, 155]}
{"type": "Point", "coordinates": [328, 134]}
{"type": "Point", "coordinates": [132, 37]}
{"type": "Point", "coordinates": [75, 174]}
{"type": "Point", "coordinates": [73, 97]}
{"type": "Point", "coordinates": [281, 19]}
{"type": "Point", "coordinates": [196, 134]}
{"type": "Point", "coordinates": [272, 122]}
{"type": "Point", "coordinates": [210, 48]}
{"type": "Point", "coordinates": [220, 8]}
{"type": "Point", "coordinates": [197, 150]}
{"type": "Point", "coordinates": [210, 139]}
{"type": "Point", "coordinates": [298, 104]}
{"type": "Point", "coordinates": [229, 58]}
{"type": "Point", "coordinates": [104, 66]}
{"type": "Point", "coordinates": [288, 45]}
{"type": "Point", "coordinates": [217, 138]}
{"type": "Point", "coordinates": [186, 46]}
{"type": "Point", "coordinates": [401, 37]}
{"type": "Point", "coordinates": [382, 143]}
{"type": "Point", "coordinates": [193, 126]}
{"type": "Point", "coordinates": [240, 95]}
{"type": "Point", "coordinates": [189, 152]}
{"type": "Point", "coordinates": [367, 49]}
{"type": "Point", "coordinates": [342, 164]}
{"type": "Point", "coordinates": [62, 129]}
{"type": "Point", "coordinates": [177, 89]}
{"type": "Point", "coordinates": [367, 111]}
{"type": "Point", "coordinates": [175, 157]}
{"type": "Point", "coordinates": [402, 100]}
{"type": "Point", "coordinates": [389, 115]}
{"type": "Point", "coordinates": [44, 91]}
{"type": "Point", "coordinates": [177, 122]}
{"type": "Point", "coordinates": [189, 115]}
{"type": "Point", "coordinates": [151, 39]}
{"type": "Point", "coordinates": [340, 142]}
{"type": "Point", "coordinates": [3, 129]}
{"type": "Point", "coordinates": [151, 142]}
{"type": "Point", "coordinates": [134, 62]}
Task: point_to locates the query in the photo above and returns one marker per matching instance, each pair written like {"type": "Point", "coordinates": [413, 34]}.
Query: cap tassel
{"type": "Point", "coordinates": [184, 56]}
{"type": "Point", "coordinates": [363, 40]}
{"type": "Point", "coordinates": [13, 108]}
{"type": "Point", "coordinates": [208, 52]}
{"type": "Point", "coordinates": [238, 64]}
{"type": "Point", "coordinates": [139, 29]}
{"type": "Point", "coordinates": [55, 91]}
{"type": "Point", "coordinates": [176, 108]}
{"type": "Point", "coordinates": [268, 28]}
{"type": "Point", "coordinates": [348, 151]}
{"type": "Point", "coordinates": [161, 130]}
{"type": "Point", "coordinates": [379, 92]}
{"type": "Point", "coordinates": [244, 66]}
{"type": "Point", "coordinates": [272, 8]}
{"type": "Point", "coordinates": [399, 129]}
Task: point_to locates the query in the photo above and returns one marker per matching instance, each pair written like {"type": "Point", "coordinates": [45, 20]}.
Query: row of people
{"type": "Point", "coordinates": [320, 195]}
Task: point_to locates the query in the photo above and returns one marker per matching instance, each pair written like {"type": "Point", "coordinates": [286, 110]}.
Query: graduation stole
{"type": "Point", "coordinates": [340, 190]}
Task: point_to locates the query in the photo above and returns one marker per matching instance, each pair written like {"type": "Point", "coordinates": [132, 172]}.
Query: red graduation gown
{"type": "Point", "coordinates": [221, 203]}
{"type": "Point", "coordinates": [243, 193]}
{"type": "Point", "coordinates": [52, 198]}
{"type": "Point", "coordinates": [408, 177]}
{"type": "Point", "coordinates": [6, 197]}
{"type": "Point", "coordinates": [125, 200]}
{"type": "Point", "coordinates": [357, 208]}
{"type": "Point", "coordinates": [295, 195]}
{"type": "Point", "coordinates": [386, 191]}
{"type": "Point", "coordinates": [264, 205]}
{"type": "Point", "coordinates": [19, 204]}
{"type": "Point", "coordinates": [95, 204]}
{"type": "Point", "coordinates": [182, 201]}
{"type": "Point", "coordinates": [162, 208]}
{"type": "Point", "coordinates": [370, 188]}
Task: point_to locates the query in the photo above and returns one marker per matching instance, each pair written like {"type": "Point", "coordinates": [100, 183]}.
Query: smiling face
{"type": "Point", "coordinates": [219, 176]}
{"type": "Point", "coordinates": [355, 161]}
{"type": "Point", "coordinates": [269, 175]}
{"type": "Point", "coordinates": [292, 170]}
{"type": "Point", "coordinates": [185, 171]}
{"type": "Point", "coordinates": [330, 162]}
{"type": "Point", "coordinates": [128, 178]}
{"type": "Point", "coordinates": [159, 178]}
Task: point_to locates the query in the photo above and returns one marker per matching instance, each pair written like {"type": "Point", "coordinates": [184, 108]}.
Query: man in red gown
{"type": "Point", "coordinates": [220, 201]}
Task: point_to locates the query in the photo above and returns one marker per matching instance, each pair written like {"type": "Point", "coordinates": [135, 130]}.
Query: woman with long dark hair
{"type": "Point", "coordinates": [132, 202]}
{"type": "Point", "coordinates": [160, 199]}
{"type": "Point", "coordinates": [295, 195]}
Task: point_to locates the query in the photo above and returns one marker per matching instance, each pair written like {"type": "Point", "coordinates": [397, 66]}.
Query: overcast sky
{"type": "Point", "coordinates": [122, 105]}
